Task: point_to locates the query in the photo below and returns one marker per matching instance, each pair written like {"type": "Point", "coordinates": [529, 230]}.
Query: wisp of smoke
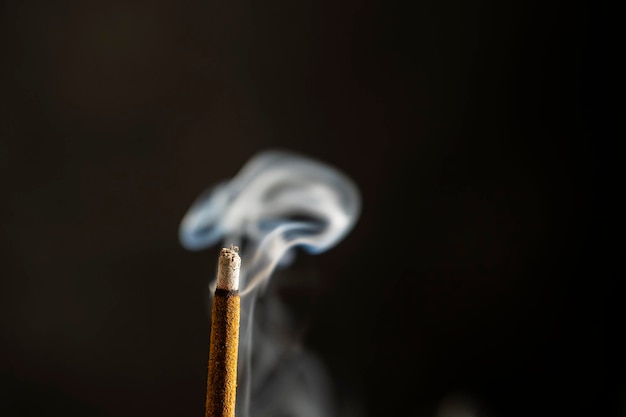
{"type": "Point", "coordinates": [279, 201]}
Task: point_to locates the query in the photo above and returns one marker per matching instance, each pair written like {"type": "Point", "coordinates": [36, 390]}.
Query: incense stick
{"type": "Point", "coordinates": [222, 378]}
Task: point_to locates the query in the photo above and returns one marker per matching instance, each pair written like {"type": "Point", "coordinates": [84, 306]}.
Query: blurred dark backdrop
{"type": "Point", "coordinates": [478, 133]}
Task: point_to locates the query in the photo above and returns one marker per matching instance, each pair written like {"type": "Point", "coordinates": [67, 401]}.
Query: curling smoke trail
{"type": "Point", "coordinates": [277, 202]}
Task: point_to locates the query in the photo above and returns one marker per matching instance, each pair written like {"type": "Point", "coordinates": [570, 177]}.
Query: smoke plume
{"type": "Point", "coordinates": [278, 202]}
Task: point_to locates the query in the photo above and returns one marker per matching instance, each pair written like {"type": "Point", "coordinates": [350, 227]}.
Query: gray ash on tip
{"type": "Point", "coordinates": [228, 269]}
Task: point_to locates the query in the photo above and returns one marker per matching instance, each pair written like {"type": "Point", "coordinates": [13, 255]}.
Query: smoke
{"type": "Point", "coordinates": [278, 202]}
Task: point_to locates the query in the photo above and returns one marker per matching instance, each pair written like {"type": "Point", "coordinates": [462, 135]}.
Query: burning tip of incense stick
{"type": "Point", "coordinates": [228, 269]}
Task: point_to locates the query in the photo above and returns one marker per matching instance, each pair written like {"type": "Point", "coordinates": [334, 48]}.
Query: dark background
{"type": "Point", "coordinates": [479, 134]}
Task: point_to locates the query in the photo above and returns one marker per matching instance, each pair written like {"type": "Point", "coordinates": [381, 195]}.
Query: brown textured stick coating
{"type": "Point", "coordinates": [222, 379]}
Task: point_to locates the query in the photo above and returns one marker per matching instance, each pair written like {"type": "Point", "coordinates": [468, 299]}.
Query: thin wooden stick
{"type": "Point", "coordinates": [222, 378]}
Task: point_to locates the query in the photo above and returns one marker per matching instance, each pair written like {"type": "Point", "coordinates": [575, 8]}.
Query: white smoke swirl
{"type": "Point", "coordinates": [278, 201]}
